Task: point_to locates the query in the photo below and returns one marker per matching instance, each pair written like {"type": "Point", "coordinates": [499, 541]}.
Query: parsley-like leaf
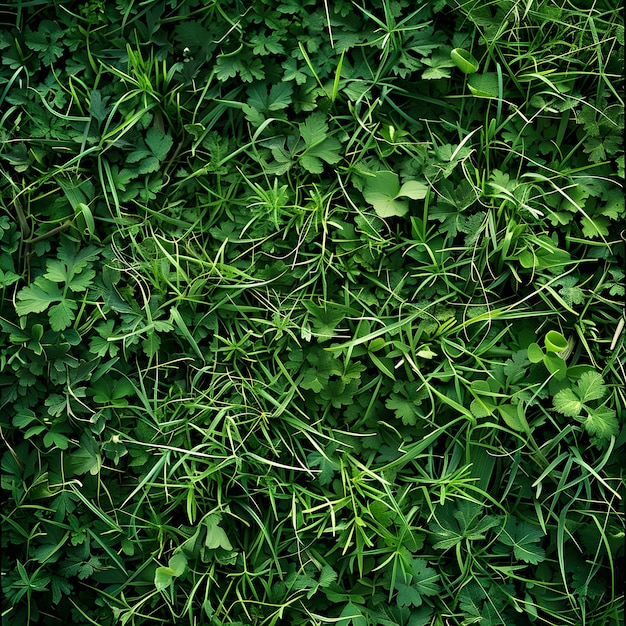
{"type": "Point", "coordinates": [328, 465]}
{"type": "Point", "coordinates": [407, 595]}
{"type": "Point", "coordinates": [466, 522]}
{"type": "Point", "coordinates": [424, 582]}
{"type": "Point", "coordinates": [319, 146]}
{"type": "Point", "coordinates": [327, 576]}
{"type": "Point", "coordinates": [98, 106]}
{"type": "Point", "coordinates": [62, 314]}
{"type": "Point", "coordinates": [248, 68]}
{"type": "Point", "coordinates": [46, 41]}
{"type": "Point", "coordinates": [158, 143]}
{"type": "Point", "coordinates": [325, 319]}
{"type": "Point", "coordinates": [38, 297]}
{"type": "Point", "coordinates": [601, 422]}
{"type": "Point", "coordinates": [569, 291]}
{"type": "Point", "coordinates": [293, 72]}
{"type": "Point", "coordinates": [567, 403]}
{"type": "Point", "coordinates": [267, 44]}
{"type": "Point", "coordinates": [596, 227]}
{"type": "Point", "coordinates": [404, 409]}
{"type": "Point", "coordinates": [523, 538]}
{"type": "Point", "coordinates": [515, 368]}
{"type": "Point", "coordinates": [87, 568]}
{"type": "Point", "coordinates": [590, 386]}
{"type": "Point", "coordinates": [439, 66]}
{"type": "Point", "coordinates": [260, 101]}
{"type": "Point", "coordinates": [425, 579]}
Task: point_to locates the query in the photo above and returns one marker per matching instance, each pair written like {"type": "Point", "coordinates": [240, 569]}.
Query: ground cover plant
{"type": "Point", "coordinates": [312, 312]}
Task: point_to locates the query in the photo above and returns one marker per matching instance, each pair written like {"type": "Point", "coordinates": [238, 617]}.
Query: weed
{"type": "Point", "coordinates": [311, 312]}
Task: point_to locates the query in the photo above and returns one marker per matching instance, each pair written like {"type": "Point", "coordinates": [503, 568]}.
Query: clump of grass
{"type": "Point", "coordinates": [302, 329]}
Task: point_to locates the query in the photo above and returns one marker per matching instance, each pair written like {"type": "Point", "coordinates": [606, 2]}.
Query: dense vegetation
{"type": "Point", "coordinates": [312, 312]}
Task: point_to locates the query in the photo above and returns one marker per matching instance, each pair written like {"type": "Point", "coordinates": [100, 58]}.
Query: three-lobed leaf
{"type": "Point", "coordinates": [351, 615]}
{"type": "Point", "coordinates": [328, 466]}
{"type": "Point", "coordinates": [319, 145]}
{"type": "Point", "coordinates": [524, 539]}
{"type": "Point", "coordinates": [37, 297]}
{"type": "Point", "coordinates": [466, 521]}
{"type": "Point", "coordinates": [383, 190]}
{"type": "Point", "coordinates": [425, 578]}
{"type": "Point", "coordinates": [404, 409]}
{"type": "Point", "coordinates": [87, 458]}
{"type": "Point", "coordinates": [159, 143]}
{"type": "Point", "coordinates": [424, 581]}
{"type": "Point", "coordinates": [407, 595]}
{"type": "Point", "coordinates": [571, 401]}
{"type": "Point", "coordinates": [62, 314]}
{"type": "Point", "coordinates": [70, 269]}
{"type": "Point", "coordinates": [600, 421]}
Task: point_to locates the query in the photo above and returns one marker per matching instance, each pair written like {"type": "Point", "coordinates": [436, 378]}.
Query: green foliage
{"type": "Point", "coordinates": [311, 312]}
{"type": "Point", "coordinates": [68, 274]}
{"type": "Point", "coordinates": [523, 538]}
{"type": "Point", "coordinates": [383, 189]}
{"type": "Point", "coordinates": [573, 402]}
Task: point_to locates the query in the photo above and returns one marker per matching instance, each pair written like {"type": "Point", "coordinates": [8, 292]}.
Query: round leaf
{"type": "Point", "coordinates": [178, 563]}
{"type": "Point", "coordinates": [376, 344]}
{"type": "Point", "coordinates": [484, 85]}
{"type": "Point", "coordinates": [535, 353]}
{"type": "Point", "coordinates": [481, 408]}
{"type": "Point", "coordinates": [526, 258]}
{"type": "Point", "coordinates": [163, 577]}
{"type": "Point", "coordinates": [414, 190]}
{"type": "Point", "coordinates": [381, 191]}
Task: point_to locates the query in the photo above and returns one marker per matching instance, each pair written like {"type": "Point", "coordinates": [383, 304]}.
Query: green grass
{"type": "Point", "coordinates": [312, 313]}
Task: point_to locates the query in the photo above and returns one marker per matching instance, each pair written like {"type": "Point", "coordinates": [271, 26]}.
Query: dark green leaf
{"type": "Point", "coordinates": [524, 539]}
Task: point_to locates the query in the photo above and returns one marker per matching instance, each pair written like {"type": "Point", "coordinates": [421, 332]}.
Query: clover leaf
{"type": "Point", "coordinates": [383, 191]}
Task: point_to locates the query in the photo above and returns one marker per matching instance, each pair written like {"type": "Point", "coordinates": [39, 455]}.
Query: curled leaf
{"type": "Point", "coordinates": [464, 61]}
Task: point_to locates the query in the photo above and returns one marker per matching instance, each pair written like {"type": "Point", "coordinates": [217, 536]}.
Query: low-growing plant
{"type": "Point", "coordinates": [311, 313]}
